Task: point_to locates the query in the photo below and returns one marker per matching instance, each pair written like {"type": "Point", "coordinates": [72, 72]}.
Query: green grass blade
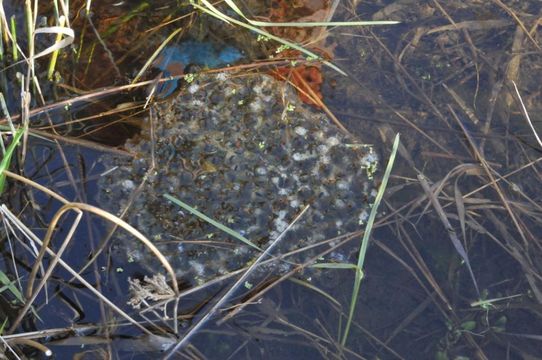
{"type": "Point", "coordinates": [215, 223]}
{"type": "Point", "coordinates": [6, 160]}
{"type": "Point", "coordinates": [337, 266]}
{"type": "Point", "coordinates": [14, 38]}
{"type": "Point", "coordinates": [366, 237]}
{"type": "Point", "coordinates": [3, 327]}
{"type": "Point", "coordinates": [10, 285]}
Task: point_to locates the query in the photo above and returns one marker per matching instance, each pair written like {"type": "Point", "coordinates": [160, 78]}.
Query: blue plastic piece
{"type": "Point", "coordinates": [229, 55]}
{"type": "Point", "coordinates": [173, 60]}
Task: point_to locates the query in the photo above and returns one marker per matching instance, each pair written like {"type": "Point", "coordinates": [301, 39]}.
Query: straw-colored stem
{"type": "Point", "coordinates": [29, 23]}
{"type": "Point", "coordinates": [114, 219]}
{"type": "Point", "coordinates": [74, 273]}
{"type": "Point", "coordinates": [32, 343]}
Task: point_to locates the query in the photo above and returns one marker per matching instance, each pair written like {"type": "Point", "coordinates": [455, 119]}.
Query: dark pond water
{"type": "Point", "coordinates": [442, 78]}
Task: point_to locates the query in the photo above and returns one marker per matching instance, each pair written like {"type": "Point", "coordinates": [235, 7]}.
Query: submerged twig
{"type": "Point", "coordinates": [233, 288]}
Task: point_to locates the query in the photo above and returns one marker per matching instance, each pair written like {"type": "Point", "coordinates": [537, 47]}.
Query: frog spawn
{"type": "Point", "coordinates": [234, 150]}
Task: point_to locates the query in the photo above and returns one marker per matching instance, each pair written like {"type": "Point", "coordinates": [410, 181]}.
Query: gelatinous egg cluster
{"type": "Point", "coordinates": [245, 152]}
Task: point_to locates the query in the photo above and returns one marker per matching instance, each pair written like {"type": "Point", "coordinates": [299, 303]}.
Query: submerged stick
{"type": "Point", "coordinates": [230, 292]}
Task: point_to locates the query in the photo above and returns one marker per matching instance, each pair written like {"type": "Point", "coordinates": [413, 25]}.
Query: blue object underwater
{"type": "Point", "coordinates": [173, 59]}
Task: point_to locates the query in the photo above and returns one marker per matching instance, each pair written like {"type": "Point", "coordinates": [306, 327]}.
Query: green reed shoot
{"type": "Point", "coordinates": [6, 160]}
{"type": "Point", "coordinates": [365, 240]}
{"type": "Point", "coordinates": [215, 223]}
{"type": "Point", "coordinates": [13, 29]}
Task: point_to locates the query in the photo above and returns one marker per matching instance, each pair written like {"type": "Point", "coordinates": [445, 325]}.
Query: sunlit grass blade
{"type": "Point", "coordinates": [228, 19]}
{"type": "Point", "coordinates": [155, 55]}
{"type": "Point", "coordinates": [212, 10]}
{"type": "Point", "coordinates": [323, 24]}
{"type": "Point", "coordinates": [235, 8]}
{"type": "Point", "coordinates": [6, 160]}
{"type": "Point", "coordinates": [215, 223]}
{"type": "Point", "coordinates": [54, 56]}
{"type": "Point", "coordinates": [69, 36]}
{"type": "Point", "coordinates": [366, 237]}
{"type": "Point", "coordinates": [526, 115]}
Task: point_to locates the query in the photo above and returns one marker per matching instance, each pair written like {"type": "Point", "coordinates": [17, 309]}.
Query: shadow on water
{"type": "Point", "coordinates": [453, 270]}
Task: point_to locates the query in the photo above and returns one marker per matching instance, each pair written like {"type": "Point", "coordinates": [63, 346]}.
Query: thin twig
{"type": "Point", "coordinates": [233, 288]}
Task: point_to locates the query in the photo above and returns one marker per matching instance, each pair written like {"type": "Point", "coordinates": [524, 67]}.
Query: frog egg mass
{"type": "Point", "coordinates": [245, 152]}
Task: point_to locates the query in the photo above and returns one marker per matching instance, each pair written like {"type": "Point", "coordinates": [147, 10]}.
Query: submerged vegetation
{"type": "Point", "coordinates": [170, 184]}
